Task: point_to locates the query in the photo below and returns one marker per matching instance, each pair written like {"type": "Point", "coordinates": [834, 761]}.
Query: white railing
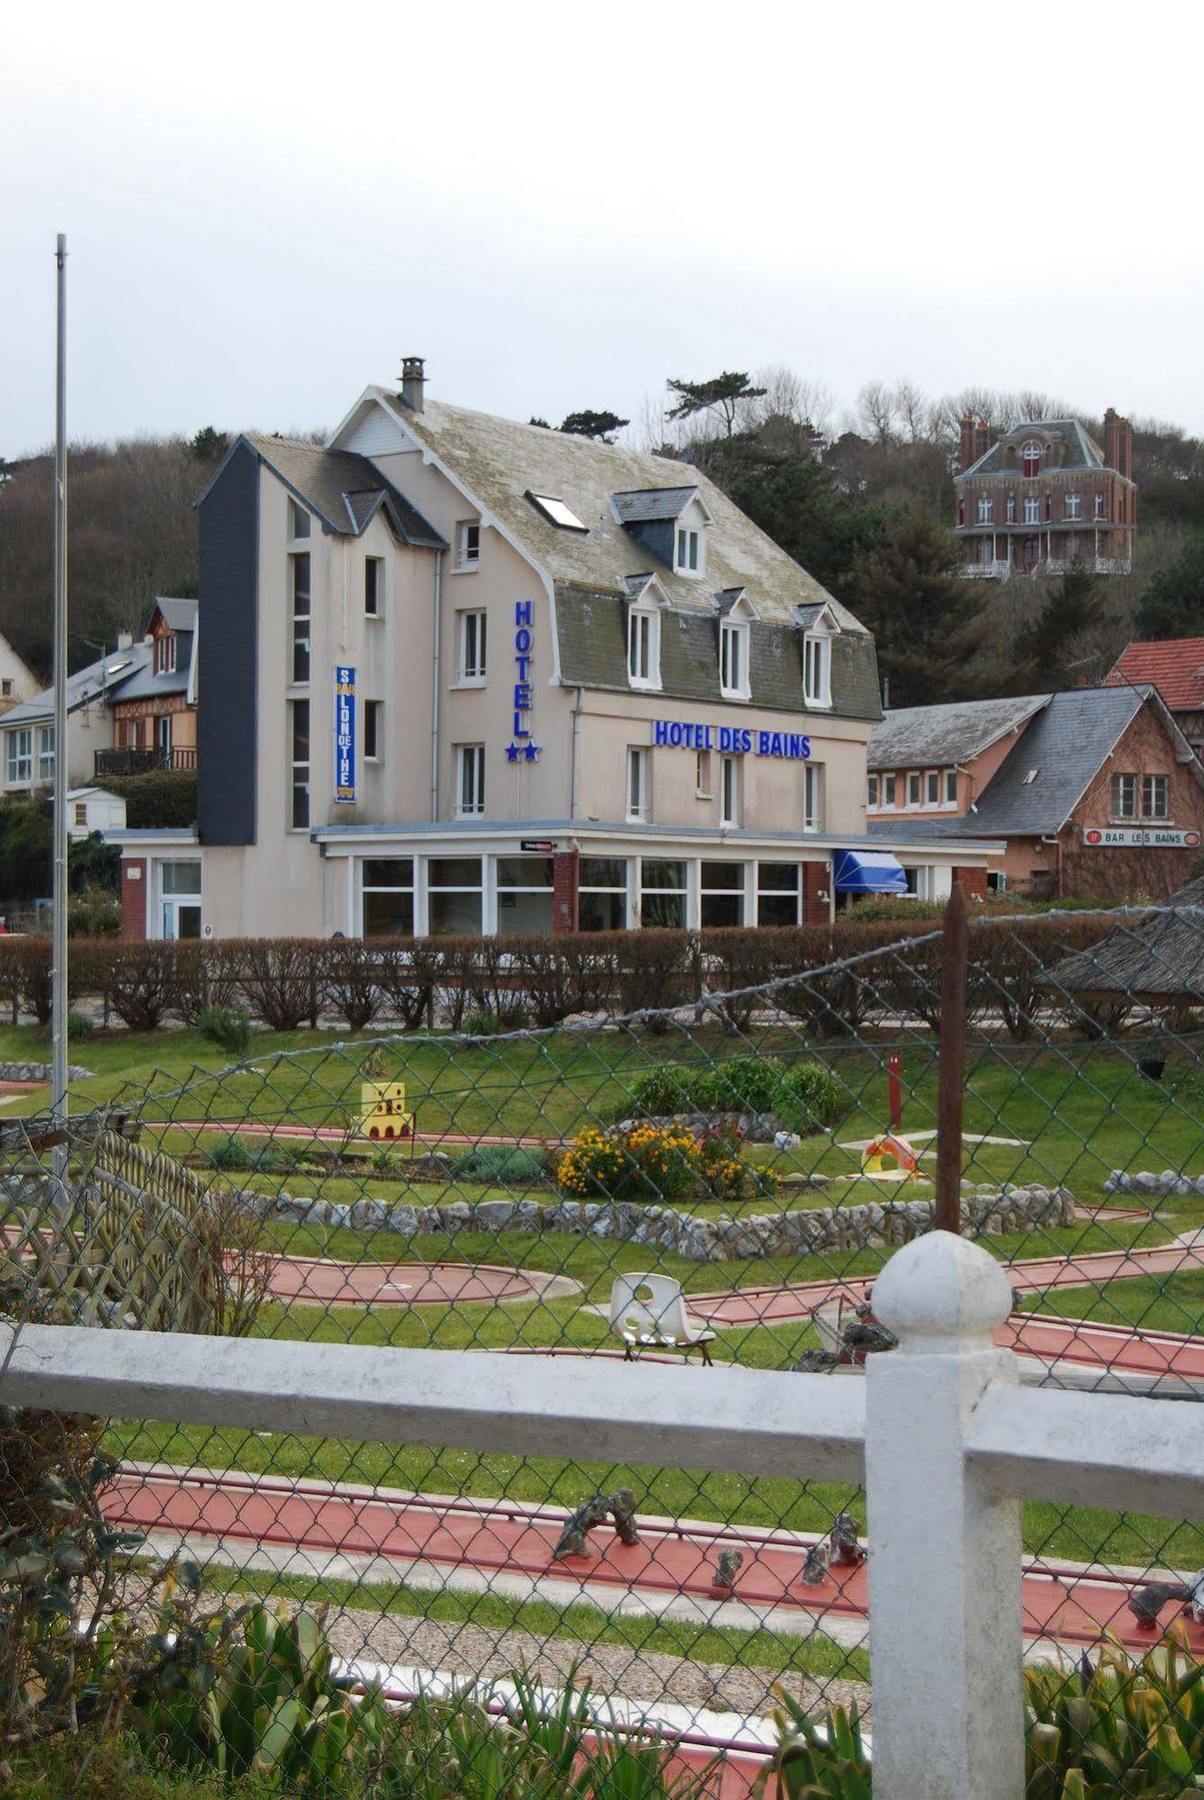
{"type": "Point", "coordinates": [1047, 565]}
{"type": "Point", "coordinates": [945, 1440]}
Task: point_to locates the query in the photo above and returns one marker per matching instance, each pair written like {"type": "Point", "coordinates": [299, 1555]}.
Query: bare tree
{"type": "Point", "coordinates": [877, 410]}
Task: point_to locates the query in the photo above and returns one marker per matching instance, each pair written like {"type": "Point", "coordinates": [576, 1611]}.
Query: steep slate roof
{"type": "Point", "coordinates": [1083, 451]}
{"type": "Point", "coordinates": [177, 615]}
{"type": "Point", "coordinates": [110, 675]}
{"type": "Point", "coordinates": [919, 737]}
{"type": "Point", "coordinates": [500, 462]}
{"type": "Point", "coordinates": [1175, 667]}
{"type": "Point", "coordinates": [342, 488]}
{"type": "Point", "coordinates": [1158, 958]}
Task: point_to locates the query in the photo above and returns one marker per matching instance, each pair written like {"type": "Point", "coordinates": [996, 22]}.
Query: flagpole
{"type": "Point", "coordinates": [58, 950]}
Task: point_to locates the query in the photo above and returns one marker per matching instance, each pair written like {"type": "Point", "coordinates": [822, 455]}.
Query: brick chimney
{"type": "Point", "coordinates": [982, 439]}
{"type": "Point", "coordinates": [413, 381]}
{"type": "Point", "coordinates": [967, 446]}
{"type": "Point", "coordinates": [1118, 444]}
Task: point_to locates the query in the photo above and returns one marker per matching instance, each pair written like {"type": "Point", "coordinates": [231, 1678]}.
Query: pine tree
{"type": "Point", "coordinates": [593, 425]}
{"type": "Point", "coordinates": [724, 391]}
{"type": "Point", "coordinates": [1073, 605]}
{"type": "Point", "coordinates": [1173, 604]}
{"type": "Point", "coordinates": [928, 622]}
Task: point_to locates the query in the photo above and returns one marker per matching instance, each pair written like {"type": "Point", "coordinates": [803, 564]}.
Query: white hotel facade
{"type": "Point", "coordinates": [459, 674]}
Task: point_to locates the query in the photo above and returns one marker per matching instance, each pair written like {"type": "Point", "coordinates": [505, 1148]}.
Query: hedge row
{"type": "Point", "coordinates": [492, 982]}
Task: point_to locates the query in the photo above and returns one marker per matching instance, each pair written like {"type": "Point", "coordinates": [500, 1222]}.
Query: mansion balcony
{"type": "Point", "coordinates": [1044, 566]}
{"type": "Point", "coordinates": [143, 762]}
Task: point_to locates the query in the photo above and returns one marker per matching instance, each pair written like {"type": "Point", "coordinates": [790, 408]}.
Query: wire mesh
{"type": "Point", "coordinates": [715, 1181]}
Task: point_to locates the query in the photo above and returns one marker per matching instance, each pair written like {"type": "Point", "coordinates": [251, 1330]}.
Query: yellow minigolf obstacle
{"type": "Point", "coordinates": [382, 1115]}
{"type": "Point", "coordinates": [889, 1155]}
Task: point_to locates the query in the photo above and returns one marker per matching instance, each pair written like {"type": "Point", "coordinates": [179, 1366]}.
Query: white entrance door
{"type": "Point", "coordinates": [180, 899]}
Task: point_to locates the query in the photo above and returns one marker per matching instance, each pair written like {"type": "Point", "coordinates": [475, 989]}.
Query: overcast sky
{"type": "Point", "coordinates": [560, 205]}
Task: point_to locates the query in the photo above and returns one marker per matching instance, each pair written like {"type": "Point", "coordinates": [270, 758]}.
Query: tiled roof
{"type": "Point", "coordinates": [342, 488]}
{"type": "Point", "coordinates": [642, 504]}
{"type": "Point", "coordinates": [1175, 667]}
{"type": "Point", "coordinates": [499, 462]}
{"type": "Point", "coordinates": [177, 615]}
{"type": "Point", "coordinates": [1082, 450]}
{"type": "Point", "coordinates": [918, 737]}
{"type": "Point", "coordinates": [110, 676]}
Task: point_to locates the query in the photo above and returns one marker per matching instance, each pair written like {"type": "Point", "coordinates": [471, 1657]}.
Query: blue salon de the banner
{"type": "Point", "coordinates": [344, 734]}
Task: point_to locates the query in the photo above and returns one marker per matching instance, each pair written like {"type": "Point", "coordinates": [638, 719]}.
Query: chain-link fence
{"type": "Point", "coordinates": [717, 1180]}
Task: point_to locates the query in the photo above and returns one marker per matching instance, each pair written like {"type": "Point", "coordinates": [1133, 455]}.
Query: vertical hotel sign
{"type": "Point", "coordinates": [344, 734]}
{"type": "Point", "coordinates": [522, 747]}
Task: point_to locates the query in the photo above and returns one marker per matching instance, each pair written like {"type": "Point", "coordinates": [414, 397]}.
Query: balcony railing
{"type": "Point", "coordinates": [142, 762]}
{"type": "Point", "coordinates": [1001, 570]}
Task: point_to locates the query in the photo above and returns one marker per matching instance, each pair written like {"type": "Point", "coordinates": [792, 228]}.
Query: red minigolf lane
{"type": "Point", "coordinates": [1059, 1602]}
{"type": "Point", "coordinates": [340, 1134]}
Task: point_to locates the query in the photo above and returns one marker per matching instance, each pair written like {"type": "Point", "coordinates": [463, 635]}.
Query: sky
{"type": "Point", "coordinates": [560, 205]}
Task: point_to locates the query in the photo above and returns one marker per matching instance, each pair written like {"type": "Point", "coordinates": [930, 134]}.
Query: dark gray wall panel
{"type": "Point", "coordinates": [228, 556]}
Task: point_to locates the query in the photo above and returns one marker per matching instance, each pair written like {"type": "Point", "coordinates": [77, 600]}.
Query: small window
{"type": "Point", "coordinates": [556, 512]}
{"type": "Point", "coordinates": [470, 651]}
{"type": "Point", "coordinates": [961, 512]}
{"type": "Point", "coordinates": [298, 521]}
{"type": "Point", "coordinates": [950, 787]}
{"type": "Point", "coordinates": [81, 812]}
{"type": "Point", "coordinates": [1032, 510]}
{"type": "Point", "coordinates": [1100, 504]}
{"type": "Point", "coordinates": [468, 544]}
{"type": "Point", "coordinates": [733, 661]}
{"type": "Point", "coordinates": [165, 653]}
{"type": "Point", "coordinates": [1074, 504]}
{"type": "Point", "coordinates": [702, 774]}
{"type": "Point", "coordinates": [871, 790]}
{"type": "Point", "coordinates": [1124, 796]}
{"type": "Point", "coordinates": [374, 732]}
{"type": "Point", "coordinates": [817, 671]}
{"type": "Point", "coordinates": [6, 687]}
{"type": "Point", "coordinates": [813, 796]}
{"type": "Point", "coordinates": [1048, 508]}
{"type": "Point", "coordinates": [890, 789]}
{"type": "Point", "coordinates": [470, 783]}
{"type": "Point", "coordinates": [1011, 509]}
{"type": "Point", "coordinates": [1031, 455]}
{"type": "Point", "coordinates": [986, 511]}
{"type": "Point", "coordinates": [638, 796]}
{"type": "Point", "coordinates": [19, 761]}
{"type": "Point", "coordinates": [1030, 777]}
{"type": "Point", "coordinates": [299, 587]}
{"type": "Point", "coordinates": [729, 790]}
{"type": "Point", "coordinates": [46, 753]}
{"type": "Point", "coordinates": [299, 762]}
{"type": "Point", "coordinates": [913, 789]}
{"type": "Point", "coordinates": [643, 648]}
{"type": "Point", "coordinates": [932, 788]}
{"type": "Point", "coordinates": [689, 551]}
{"type": "Point", "coordinates": [374, 586]}
{"type": "Point", "coordinates": [1155, 794]}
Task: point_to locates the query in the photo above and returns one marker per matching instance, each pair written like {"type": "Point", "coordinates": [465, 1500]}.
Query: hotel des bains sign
{"type": "Point", "coordinates": [731, 740]}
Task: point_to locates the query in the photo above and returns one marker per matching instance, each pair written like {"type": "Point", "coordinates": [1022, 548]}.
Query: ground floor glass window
{"type": "Point", "coordinates": [524, 893]}
{"type": "Point", "coordinates": [454, 895]}
{"type": "Point", "coordinates": [662, 894]}
{"type": "Point", "coordinates": [722, 897]}
{"type": "Point", "coordinates": [777, 893]}
{"type": "Point", "coordinates": [388, 897]}
{"type": "Point", "coordinates": [602, 893]}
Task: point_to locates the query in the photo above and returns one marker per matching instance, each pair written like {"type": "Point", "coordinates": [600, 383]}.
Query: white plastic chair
{"type": "Point", "coordinates": [648, 1312]}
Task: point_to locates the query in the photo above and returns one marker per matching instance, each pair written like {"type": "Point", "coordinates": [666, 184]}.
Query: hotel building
{"type": "Point", "coordinates": [462, 675]}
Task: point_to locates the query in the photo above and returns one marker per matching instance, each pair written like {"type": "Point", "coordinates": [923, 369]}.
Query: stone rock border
{"type": "Point", "coordinates": [1169, 1182]}
{"type": "Point", "coordinates": [754, 1128]}
{"type": "Point", "coordinates": [16, 1071]}
{"type": "Point", "coordinates": [710, 1240]}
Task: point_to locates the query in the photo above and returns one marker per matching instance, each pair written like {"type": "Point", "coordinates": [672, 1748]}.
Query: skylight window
{"type": "Point", "coordinates": [1031, 777]}
{"type": "Point", "coordinates": [556, 512]}
{"type": "Point", "coordinates": [115, 668]}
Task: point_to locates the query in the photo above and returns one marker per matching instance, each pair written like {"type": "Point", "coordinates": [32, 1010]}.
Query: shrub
{"type": "Point", "coordinates": [80, 1027]}
{"type": "Point", "coordinates": [646, 1162]}
{"type": "Point", "coordinates": [138, 981]}
{"type": "Point", "coordinates": [726, 1176]}
{"type": "Point", "coordinates": [94, 912]}
{"type": "Point", "coordinates": [482, 1024]}
{"type": "Point", "coordinates": [802, 1096]}
{"type": "Point", "coordinates": [280, 978]}
{"type": "Point", "coordinates": [161, 797]}
{"type": "Point", "coordinates": [230, 1030]}
{"type": "Point", "coordinates": [501, 1163]}
{"type": "Point", "coordinates": [351, 983]}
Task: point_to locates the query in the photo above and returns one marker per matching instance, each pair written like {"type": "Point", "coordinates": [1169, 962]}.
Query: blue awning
{"type": "Point", "coordinates": [869, 872]}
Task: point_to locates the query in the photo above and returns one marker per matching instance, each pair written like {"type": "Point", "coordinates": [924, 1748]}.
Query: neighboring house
{"type": "Point", "coordinates": [1096, 792]}
{"type": "Point", "coordinates": [1176, 668]}
{"type": "Point", "coordinates": [17, 680]}
{"type": "Point", "coordinates": [1156, 962]}
{"type": "Point", "coordinates": [462, 674]}
{"type": "Point", "coordinates": [91, 809]}
{"type": "Point", "coordinates": [1044, 497]}
{"type": "Point", "coordinates": [132, 711]}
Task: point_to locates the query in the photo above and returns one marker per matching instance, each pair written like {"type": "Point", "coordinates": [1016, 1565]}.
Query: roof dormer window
{"type": "Point", "coordinates": [644, 647]}
{"type": "Point", "coordinates": [165, 653]}
{"type": "Point", "coordinates": [817, 669]}
{"type": "Point", "coordinates": [1031, 455]}
{"type": "Point", "coordinates": [689, 551]}
{"type": "Point", "coordinates": [733, 660]}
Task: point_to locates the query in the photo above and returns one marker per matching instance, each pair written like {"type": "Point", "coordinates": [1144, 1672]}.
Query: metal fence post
{"type": "Point", "coordinates": [946, 1644]}
{"type": "Point", "coordinates": [951, 1073]}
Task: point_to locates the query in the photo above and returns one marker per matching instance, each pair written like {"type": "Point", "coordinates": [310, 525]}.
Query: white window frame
{"type": "Point", "coordinates": [950, 789]}
{"type": "Point", "coordinates": [300, 767]}
{"type": "Point", "coordinates": [374, 710]}
{"type": "Point", "coordinates": [297, 618]}
{"type": "Point", "coordinates": [470, 781]}
{"type": "Point", "coordinates": [729, 792]}
{"type": "Point", "coordinates": [1031, 452]}
{"type": "Point", "coordinates": [1124, 796]}
{"type": "Point", "coordinates": [643, 647]}
{"type": "Point", "coordinates": [45, 753]}
{"type": "Point", "coordinates": [471, 673]}
{"type": "Point", "coordinates": [734, 644]}
{"type": "Point", "coordinates": [300, 528]}
{"type": "Point", "coordinates": [1011, 509]}
{"type": "Point", "coordinates": [170, 904]}
{"type": "Point", "coordinates": [1161, 814]}
{"type": "Point", "coordinates": [817, 670]}
{"type": "Point", "coordinates": [689, 553]}
{"type": "Point", "coordinates": [813, 796]}
{"type": "Point", "coordinates": [638, 789]}
{"type": "Point", "coordinates": [18, 758]}
{"type": "Point", "coordinates": [890, 791]}
{"type": "Point", "coordinates": [913, 779]}
{"type": "Point", "coordinates": [403, 888]}
{"type": "Point", "coordinates": [986, 509]}
{"type": "Point", "coordinates": [704, 777]}
{"type": "Point", "coordinates": [871, 790]}
{"type": "Point", "coordinates": [1032, 509]}
{"type": "Point", "coordinates": [468, 547]}
{"type": "Point", "coordinates": [1072, 506]}
{"type": "Point", "coordinates": [164, 658]}
{"type": "Point", "coordinates": [1101, 502]}
{"type": "Point", "coordinates": [932, 787]}
{"type": "Point", "coordinates": [378, 610]}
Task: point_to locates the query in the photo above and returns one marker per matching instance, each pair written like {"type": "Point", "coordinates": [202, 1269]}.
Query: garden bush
{"type": "Point", "coordinates": [229, 1029]}
{"type": "Point", "coordinates": [802, 1096]}
{"type": "Point", "coordinates": [280, 978]}
{"type": "Point", "coordinates": [645, 1162]}
{"type": "Point", "coordinates": [138, 981]}
{"type": "Point", "coordinates": [501, 1163]}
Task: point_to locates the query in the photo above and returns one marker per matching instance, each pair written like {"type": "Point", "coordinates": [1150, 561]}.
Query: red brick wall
{"type": "Point", "coordinates": [133, 897]}
{"type": "Point", "coordinates": [974, 881]}
{"type": "Point", "coordinates": [817, 880]}
{"type": "Point", "coordinates": [1121, 874]}
{"type": "Point", "coordinates": [565, 880]}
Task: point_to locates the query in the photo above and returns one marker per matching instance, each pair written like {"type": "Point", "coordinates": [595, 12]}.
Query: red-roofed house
{"type": "Point", "coordinates": [1176, 668]}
